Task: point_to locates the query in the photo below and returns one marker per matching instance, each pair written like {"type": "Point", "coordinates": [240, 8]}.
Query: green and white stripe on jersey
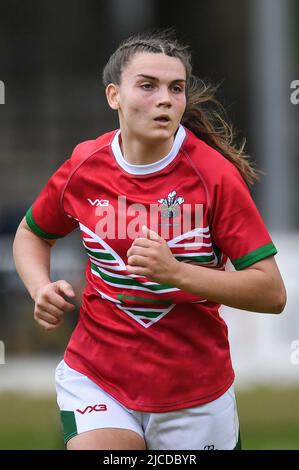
{"type": "Point", "coordinates": [200, 251]}
{"type": "Point", "coordinates": [127, 281]}
{"type": "Point", "coordinates": [145, 316]}
{"type": "Point", "coordinates": [153, 302]}
{"type": "Point", "coordinates": [100, 251]}
{"type": "Point", "coordinates": [38, 230]}
{"type": "Point", "coordinates": [254, 256]}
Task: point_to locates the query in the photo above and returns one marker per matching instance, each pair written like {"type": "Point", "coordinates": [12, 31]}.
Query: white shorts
{"type": "Point", "coordinates": [84, 406]}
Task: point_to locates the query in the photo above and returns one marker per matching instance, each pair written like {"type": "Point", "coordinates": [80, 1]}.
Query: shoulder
{"type": "Point", "coordinates": [85, 149]}
{"type": "Point", "coordinates": [213, 167]}
{"type": "Point", "coordinates": [220, 178]}
{"type": "Point", "coordinates": [81, 154]}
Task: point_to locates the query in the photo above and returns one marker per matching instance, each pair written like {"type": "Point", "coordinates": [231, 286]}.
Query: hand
{"type": "Point", "coordinates": [151, 257]}
{"type": "Point", "coordinates": [50, 304]}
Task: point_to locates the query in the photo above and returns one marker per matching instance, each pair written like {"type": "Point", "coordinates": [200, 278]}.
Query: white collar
{"type": "Point", "coordinates": [150, 167]}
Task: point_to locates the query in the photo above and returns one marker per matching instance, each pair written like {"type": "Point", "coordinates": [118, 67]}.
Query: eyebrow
{"type": "Point", "coordinates": [149, 77]}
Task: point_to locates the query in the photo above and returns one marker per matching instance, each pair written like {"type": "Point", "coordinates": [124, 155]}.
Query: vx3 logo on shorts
{"type": "Point", "coordinates": [90, 408]}
{"type": "Point", "coordinates": [209, 447]}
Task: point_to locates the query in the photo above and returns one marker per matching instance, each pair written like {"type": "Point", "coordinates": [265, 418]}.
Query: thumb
{"type": "Point", "coordinates": [149, 233]}
{"type": "Point", "coordinates": [65, 288]}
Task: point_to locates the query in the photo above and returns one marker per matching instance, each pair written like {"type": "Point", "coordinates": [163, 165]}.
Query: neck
{"type": "Point", "coordinates": [143, 153]}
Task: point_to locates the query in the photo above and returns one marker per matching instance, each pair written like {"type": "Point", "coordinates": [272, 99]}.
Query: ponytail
{"type": "Point", "coordinates": [204, 116]}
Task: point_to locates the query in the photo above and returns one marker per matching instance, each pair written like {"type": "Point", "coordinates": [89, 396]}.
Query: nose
{"type": "Point", "coordinates": [163, 98]}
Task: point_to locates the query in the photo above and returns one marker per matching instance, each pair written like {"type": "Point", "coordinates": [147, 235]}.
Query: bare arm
{"type": "Point", "coordinates": [32, 258]}
{"type": "Point", "coordinates": [259, 288]}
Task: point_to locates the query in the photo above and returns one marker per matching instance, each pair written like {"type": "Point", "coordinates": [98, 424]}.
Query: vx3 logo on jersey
{"type": "Point", "coordinates": [90, 408]}
{"type": "Point", "coordinates": [98, 202]}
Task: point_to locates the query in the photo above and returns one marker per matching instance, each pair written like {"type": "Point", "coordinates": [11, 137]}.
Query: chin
{"type": "Point", "coordinates": [165, 132]}
{"type": "Point", "coordinates": [151, 135]}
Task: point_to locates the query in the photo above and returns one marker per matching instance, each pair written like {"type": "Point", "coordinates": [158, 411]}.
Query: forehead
{"type": "Point", "coordinates": [155, 65]}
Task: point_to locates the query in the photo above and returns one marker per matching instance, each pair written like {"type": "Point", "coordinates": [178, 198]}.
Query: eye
{"type": "Point", "coordinates": [147, 86]}
{"type": "Point", "coordinates": [177, 89]}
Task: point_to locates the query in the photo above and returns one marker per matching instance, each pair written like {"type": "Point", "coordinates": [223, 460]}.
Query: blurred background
{"type": "Point", "coordinates": [51, 57]}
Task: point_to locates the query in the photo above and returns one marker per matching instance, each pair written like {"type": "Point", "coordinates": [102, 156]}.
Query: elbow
{"type": "Point", "coordinates": [280, 300]}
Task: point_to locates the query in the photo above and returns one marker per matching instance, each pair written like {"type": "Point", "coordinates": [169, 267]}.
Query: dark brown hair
{"type": "Point", "coordinates": [204, 115]}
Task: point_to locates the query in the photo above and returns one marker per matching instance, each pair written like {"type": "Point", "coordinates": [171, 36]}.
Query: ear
{"type": "Point", "coordinates": [112, 95]}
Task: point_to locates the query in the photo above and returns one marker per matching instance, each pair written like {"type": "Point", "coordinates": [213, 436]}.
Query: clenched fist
{"type": "Point", "coordinates": [50, 304]}
{"type": "Point", "coordinates": [151, 257]}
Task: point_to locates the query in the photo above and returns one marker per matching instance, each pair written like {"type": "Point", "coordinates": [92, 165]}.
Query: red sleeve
{"type": "Point", "coordinates": [46, 217]}
{"type": "Point", "coordinates": [237, 226]}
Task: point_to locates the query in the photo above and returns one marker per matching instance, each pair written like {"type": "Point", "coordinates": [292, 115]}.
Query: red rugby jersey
{"type": "Point", "coordinates": [153, 347]}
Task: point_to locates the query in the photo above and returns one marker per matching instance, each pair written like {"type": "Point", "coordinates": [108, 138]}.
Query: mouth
{"type": "Point", "coordinates": [163, 119]}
